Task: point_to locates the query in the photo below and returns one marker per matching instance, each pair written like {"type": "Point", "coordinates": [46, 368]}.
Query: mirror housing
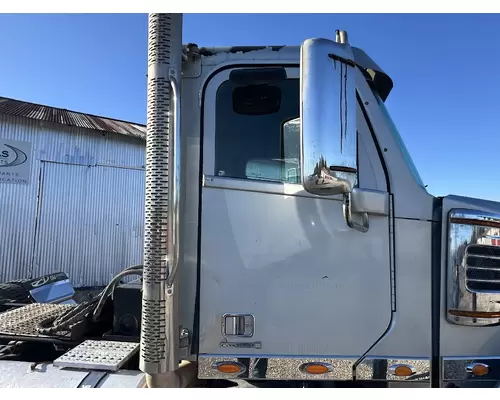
{"type": "Point", "coordinates": [328, 136]}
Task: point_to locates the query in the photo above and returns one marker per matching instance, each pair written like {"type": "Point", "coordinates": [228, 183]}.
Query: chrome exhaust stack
{"type": "Point", "coordinates": [159, 354]}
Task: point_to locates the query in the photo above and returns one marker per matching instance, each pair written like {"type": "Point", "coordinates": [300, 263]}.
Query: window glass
{"type": "Point", "coordinates": [248, 133]}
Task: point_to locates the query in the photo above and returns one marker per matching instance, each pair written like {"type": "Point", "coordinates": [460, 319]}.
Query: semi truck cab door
{"type": "Point", "coordinates": [281, 274]}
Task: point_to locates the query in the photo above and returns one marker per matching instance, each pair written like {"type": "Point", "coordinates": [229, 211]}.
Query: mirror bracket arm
{"type": "Point", "coordinates": [365, 221]}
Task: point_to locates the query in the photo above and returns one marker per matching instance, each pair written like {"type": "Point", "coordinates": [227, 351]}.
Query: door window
{"type": "Point", "coordinates": [249, 143]}
{"type": "Point", "coordinates": [246, 140]}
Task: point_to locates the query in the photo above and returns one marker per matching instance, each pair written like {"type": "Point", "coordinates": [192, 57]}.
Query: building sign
{"type": "Point", "coordinates": [15, 161]}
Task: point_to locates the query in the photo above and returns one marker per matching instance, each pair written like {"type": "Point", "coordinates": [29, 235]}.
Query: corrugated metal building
{"type": "Point", "coordinates": [71, 193]}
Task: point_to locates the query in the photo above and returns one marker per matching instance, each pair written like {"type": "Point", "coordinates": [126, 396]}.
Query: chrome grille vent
{"type": "Point", "coordinates": [473, 268]}
{"type": "Point", "coordinates": [482, 268]}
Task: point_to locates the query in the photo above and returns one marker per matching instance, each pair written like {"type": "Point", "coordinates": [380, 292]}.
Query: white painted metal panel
{"type": "Point", "coordinates": [313, 284]}
{"type": "Point", "coordinates": [289, 259]}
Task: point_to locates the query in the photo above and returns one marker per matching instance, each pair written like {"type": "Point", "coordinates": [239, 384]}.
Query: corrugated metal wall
{"type": "Point", "coordinates": [82, 213]}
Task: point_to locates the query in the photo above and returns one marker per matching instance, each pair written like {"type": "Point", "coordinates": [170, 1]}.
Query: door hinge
{"type": "Point", "coordinates": [184, 342]}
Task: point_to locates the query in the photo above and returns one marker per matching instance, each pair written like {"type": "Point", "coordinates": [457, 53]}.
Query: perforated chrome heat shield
{"type": "Point", "coordinates": [158, 333]}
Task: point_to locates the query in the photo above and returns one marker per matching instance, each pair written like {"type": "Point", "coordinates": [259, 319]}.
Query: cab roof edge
{"type": "Point", "coordinates": [381, 81]}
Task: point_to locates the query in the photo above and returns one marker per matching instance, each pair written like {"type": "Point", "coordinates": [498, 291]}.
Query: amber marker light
{"type": "Point", "coordinates": [478, 369]}
{"type": "Point", "coordinates": [229, 367]}
{"type": "Point", "coordinates": [315, 368]}
{"type": "Point", "coordinates": [401, 370]}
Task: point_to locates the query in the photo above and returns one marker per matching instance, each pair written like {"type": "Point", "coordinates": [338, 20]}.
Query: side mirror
{"type": "Point", "coordinates": [328, 118]}
{"type": "Point", "coordinates": [328, 135]}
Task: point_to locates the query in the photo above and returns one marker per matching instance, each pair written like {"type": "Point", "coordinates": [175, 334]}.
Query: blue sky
{"type": "Point", "coordinates": [445, 101]}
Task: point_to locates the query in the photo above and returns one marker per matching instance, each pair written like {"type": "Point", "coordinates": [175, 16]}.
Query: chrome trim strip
{"type": "Point", "coordinates": [381, 369]}
{"type": "Point", "coordinates": [458, 368]}
{"type": "Point", "coordinates": [481, 280]}
{"type": "Point", "coordinates": [483, 256]}
{"type": "Point", "coordinates": [248, 185]}
{"type": "Point", "coordinates": [474, 217]}
{"type": "Point", "coordinates": [289, 368]}
{"type": "Point", "coordinates": [275, 368]}
{"type": "Point", "coordinates": [465, 305]}
{"type": "Point", "coordinates": [392, 253]}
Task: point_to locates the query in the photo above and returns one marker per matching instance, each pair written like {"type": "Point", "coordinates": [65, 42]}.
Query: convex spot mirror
{"type": "Point", "coordinates": [328, 143]}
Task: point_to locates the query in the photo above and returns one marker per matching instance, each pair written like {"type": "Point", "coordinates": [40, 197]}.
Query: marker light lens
{"type": "Point", "coordinates": [229, 368]}
{"type": "Point", "coordinates": [316, 368]}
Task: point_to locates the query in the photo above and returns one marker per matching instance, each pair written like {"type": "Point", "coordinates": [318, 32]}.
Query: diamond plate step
{"type": "Point", "coordinates": [98, 355]}
{"type": "Point", "coordinates": [23, 321]}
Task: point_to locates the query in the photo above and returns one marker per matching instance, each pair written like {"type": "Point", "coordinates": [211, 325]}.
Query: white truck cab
{"type": "Point", "coordinates": [301, 244]}
{"type": "Point", "coordinates": [281, 274]}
